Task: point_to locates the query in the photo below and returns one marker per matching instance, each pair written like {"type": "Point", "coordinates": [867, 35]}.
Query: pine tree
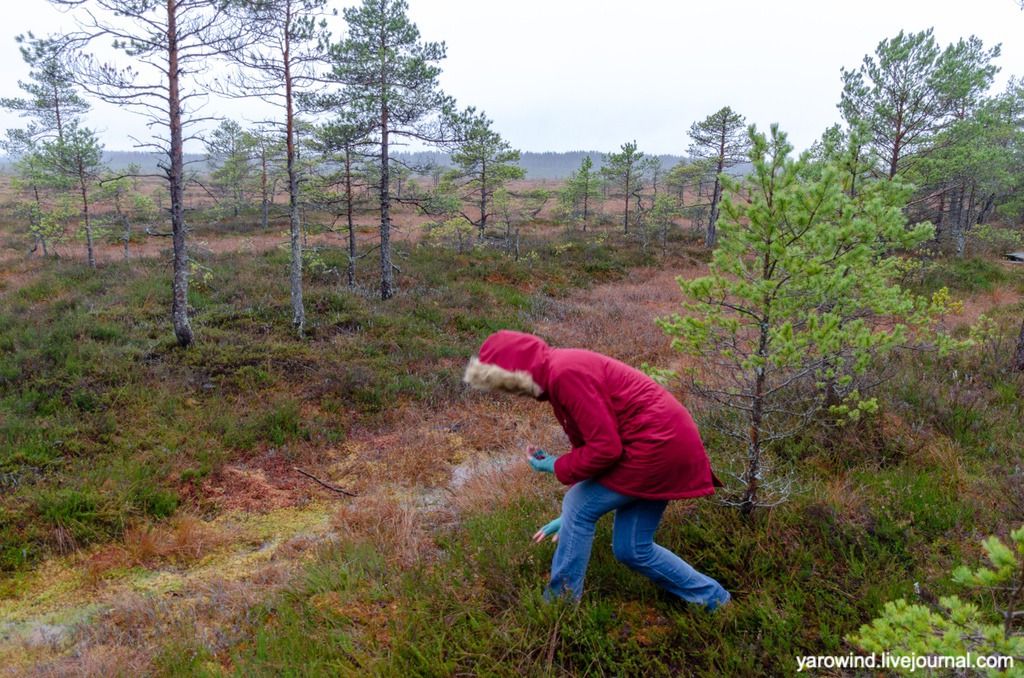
{"type": "Point", "coordinates": [909, 90]}
{"type": "Point", "coordinates": [967, 164]}
{"type": "Point", "coordinates": [343, 143]}
{"type": "Point", "coordinates": [267, 149]}
{"type": "Point", "coordinates": [130, 206]}
{"type": "Point", "coordinates": [720, 140]}
{"type": "Point", "coordinates": [624, 172]}
{"type": "Point", "coordinates": [800, 270]}
{"type": "Point", "coordinates": [78, 156]}
{"type": "Point", "coordinates": [391, 80]}
{"type": "Point", "coordinates": [229, 153]}
{"type": "Point", "coordinates": [53, 101]}
{"type": "Point", "coordinates": [953, 627]}
{"type": "Point", "coordinates": [34, 175]}
{"type": "Point", "coordinates": [168, 46]}
{"type": "Point", "coordinates": [484, 162]}
{"type": "Point", "coordinates": [282, 57]}
{"type": "Point", "coordinates": [582, 192]}
{"type": "Point", "coordinates": [52, 105]}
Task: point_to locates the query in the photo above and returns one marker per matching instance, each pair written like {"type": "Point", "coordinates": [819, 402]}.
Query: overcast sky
{"type": "Point", "coordinates": [590, 74]}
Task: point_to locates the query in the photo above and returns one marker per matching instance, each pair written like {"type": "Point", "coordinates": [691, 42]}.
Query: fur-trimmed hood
{"type": "Point", "coordinates": [514, 362]}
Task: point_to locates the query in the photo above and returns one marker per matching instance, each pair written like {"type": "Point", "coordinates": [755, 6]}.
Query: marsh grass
{"type": "Point", "coordinates": [105, 424]}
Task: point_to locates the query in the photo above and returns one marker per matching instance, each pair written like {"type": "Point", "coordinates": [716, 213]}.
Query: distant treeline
{"type": "Point", "coordinates": [547, 165]}
{"type": "Point", "coordinates": [148, 163]}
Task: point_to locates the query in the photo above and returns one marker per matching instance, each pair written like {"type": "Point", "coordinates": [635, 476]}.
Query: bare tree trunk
{"type": "Point", "coordinates": [968, 221]}
{"type": "Point", "coordinates": [127, 234]}
{"type": "Point", "coordinates": [957, 216]}
{"type": "Point", "coordinates": [40, 239]}
{"type": "Point", "coordinates": [265, 201]}
{"type": "Point", "coordinates": [986, 209]}
{"type": "Point", "coordinates": [586, 203]}
{"type": "Point", "coordinates": [1018, 357]}
{"type": "Point", "coordinates": [179, 304]}
{"type": "Point", "coordinates": [897, 146]}
{"type": "Point", "coordinates": [387, 277]}
{"type": "Point", "coordinates": [483, 199]}
{"type": "Point", "coordinates": [749, 501]}
{"type": "Point", "coordinates": [85, 215]}
{"type": "Point", "coordinates": [711, 237]}
{"type": "Point", "coordinates": [298, 309]}
{"type": "Point", "coordinates": [625, 216]}
{"type": "Point", "coordinates": [351, 269]}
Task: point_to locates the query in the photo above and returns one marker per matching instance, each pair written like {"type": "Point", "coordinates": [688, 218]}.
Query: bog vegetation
{"type": "Point", "coordinates": [233, 438]}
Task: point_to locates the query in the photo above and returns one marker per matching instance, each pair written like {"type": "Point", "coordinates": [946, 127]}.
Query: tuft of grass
{"type": "Point", "coordinates": [74, 516]}
{"type": "Point", "coordinates": [964, 275]}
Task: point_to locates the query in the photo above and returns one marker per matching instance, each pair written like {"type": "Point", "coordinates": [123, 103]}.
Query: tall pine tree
{"type": "Point", "coordinates": [624, 171]}
{"type": "Point", "coordinates": [484, 162]}
{"type": "Point", "coordinates": [391, 81]}
{"type": "Point", "coordinates": [720, 140]}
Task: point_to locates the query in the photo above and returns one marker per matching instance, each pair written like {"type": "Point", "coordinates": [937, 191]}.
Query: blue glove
{"type": "Point", "coordinates": [543, 462]}
{"type": "Point", "coordinates": [548, 530]}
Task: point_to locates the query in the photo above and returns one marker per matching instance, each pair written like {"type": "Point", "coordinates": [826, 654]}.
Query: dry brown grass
{"type": "Point", "coordinates": [617, 319]}
{"type": "Point", "coordinates": [846, 498]}
{"type": "Point", "coordinates": [211, 613]}
{"type": "Point", "coordinates": [984, 303]}
{"type": "Point", "coordinates": [100, 661]}
{"type": "Point", "coordinates": [943, 453]}
{"type": "Point", "coordinates": [497, 484]}
{"type": "Point", "coordinates": [393, 525]}
{"type": "Point", "coordinates": [257, 485]}
{"type": "Point", "coordinates": [424, 445]}
{"type": "Point", "coordinates": [184, 540]}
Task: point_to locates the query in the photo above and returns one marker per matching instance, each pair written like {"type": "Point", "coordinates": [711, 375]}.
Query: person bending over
{"type": "Point", "coordinates": [634, 449]}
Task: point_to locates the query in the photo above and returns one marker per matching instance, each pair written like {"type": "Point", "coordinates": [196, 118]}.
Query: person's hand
{"type": "Point", "coordinates": [549, 530]}
{"type": "Point", "coordinates": [541, 460]}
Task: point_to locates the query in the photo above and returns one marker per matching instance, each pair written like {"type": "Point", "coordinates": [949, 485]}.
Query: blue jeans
{"type": "Point", "coordinates": [636, 520]}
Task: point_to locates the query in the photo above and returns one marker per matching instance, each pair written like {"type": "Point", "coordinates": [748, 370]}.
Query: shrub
{"type": "Point", "coordinates": [953, 627]}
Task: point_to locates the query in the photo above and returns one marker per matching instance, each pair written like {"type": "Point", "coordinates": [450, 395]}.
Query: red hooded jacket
{"type": "Point", "coordinates": [627, 432]}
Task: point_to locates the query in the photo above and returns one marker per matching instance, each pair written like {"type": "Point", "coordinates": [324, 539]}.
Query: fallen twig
{"type": "Point", "coordinates": [327, 485]}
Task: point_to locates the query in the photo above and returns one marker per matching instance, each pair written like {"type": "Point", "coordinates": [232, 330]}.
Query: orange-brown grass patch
{"type": "Point", "coordinates": [250, 487]}
{"type": "Point", "coordinates": [99, 563]}
{"type": "Point", "coordinates": [617, 319]}
{"type": "Point", "coordinates": [99, 661]}
{"type": "Point", "coordinates": [423, 450]}
{"type": "Point", "coordinates": [984, 304]}
{"type": "Point", "coordinates": [396, 528]}
{"type": "Point", "coordinates": [371, 617]}
{"type": "Point", "coordinates": [185, 539]}
{"type": "Point", "coordinates": [497, 485]}
{"type": "Point", "coordinates": [946, 455]}
{"type": "Point", "coordinates": [846, 498]}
